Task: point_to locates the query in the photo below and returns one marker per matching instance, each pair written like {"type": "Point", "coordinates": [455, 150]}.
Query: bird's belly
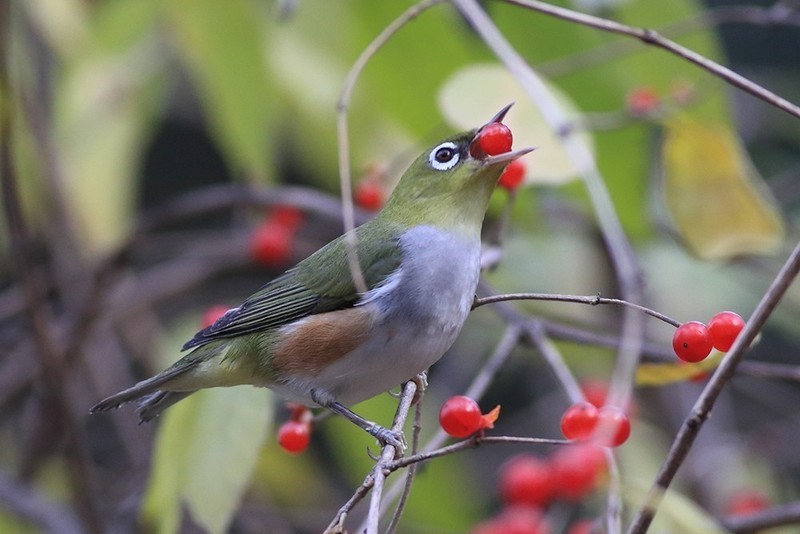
{"type": "Point", "coordinates": [417, 315]}
{"type": "Point", "coordinates": [393, 354]}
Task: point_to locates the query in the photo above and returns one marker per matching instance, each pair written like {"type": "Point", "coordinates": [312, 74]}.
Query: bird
{"type": "Point", "coordinates": [313, 338]}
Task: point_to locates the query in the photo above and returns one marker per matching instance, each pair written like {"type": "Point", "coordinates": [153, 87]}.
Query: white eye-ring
{"type": "Point", "coordinates": [444, 156]}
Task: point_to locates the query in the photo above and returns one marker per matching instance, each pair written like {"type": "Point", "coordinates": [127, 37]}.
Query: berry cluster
{"type": "Point", "coordinates": [528, 484]}
{"type": "Point", "coordinates": [295, 434]}
{"type": "Point", "coordinates": [595, 421]}
{"type": "Point", "coordinates": [694, 340]}
{"type": "Point", "coordinates": [461, 416]}
{"type": "Point", "coordinates": [608, 426]}
{"type": "Point", "coordinates": [271, 242]}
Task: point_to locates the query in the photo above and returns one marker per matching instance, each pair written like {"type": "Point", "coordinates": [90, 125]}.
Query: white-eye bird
{"type": "Point", "coordinates": [313, 338]}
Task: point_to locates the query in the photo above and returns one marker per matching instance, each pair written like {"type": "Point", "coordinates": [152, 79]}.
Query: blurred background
{"type": "Point", "coordinates": [163, 159]}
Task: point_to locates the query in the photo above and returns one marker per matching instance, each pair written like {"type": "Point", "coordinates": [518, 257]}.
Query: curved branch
{"type": "Point", "coordinates": [590, 300]}
{"type": "Point", "coordinates": [653, 38]}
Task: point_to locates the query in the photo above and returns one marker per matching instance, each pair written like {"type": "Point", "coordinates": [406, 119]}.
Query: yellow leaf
{"type": "Point", "coordinates": [661, 374]}
{"type": "Point", "coordinates": [473, 94]}
{"type": "Point", "coordinates": [716, 198]}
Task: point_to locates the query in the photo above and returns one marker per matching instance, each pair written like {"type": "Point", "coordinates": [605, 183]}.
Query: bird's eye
{"type": "Point", "coordinates": [444, 156]}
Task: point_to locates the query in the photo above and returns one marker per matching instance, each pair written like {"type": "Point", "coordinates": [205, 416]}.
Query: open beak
{"type": "Point", "coordinates": [499, 116]}
{"type": "Point", "coordinates": [508, 156]}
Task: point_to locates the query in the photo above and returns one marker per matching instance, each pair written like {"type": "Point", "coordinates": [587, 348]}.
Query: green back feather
{"type": "Point", "coordinates": [320, 283]}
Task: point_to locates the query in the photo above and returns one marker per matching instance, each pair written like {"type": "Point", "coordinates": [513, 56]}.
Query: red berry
{"type": "Point", "coordinates": [613, 427]}
{"type": "Point", "coordinates": [494, 139]}
{"type": "Point", "coordinates": [746, 502]}
{"type": "Point", "coordinates": [723, 329]}
{"type": "Point", "coordinates": [642, 101]}
{"type": "Point", "coordinates": [692, 342]}
{"type": "Point", "coordinates": [582, 526]}
{"type": "Point", "coordinates": [287, 216]}
{"type": "Point", "coordinates": [524, 520]}
{"type": "Point", "coordinates": [515, 520]}
{"type": "Point", "coordinates": [294, 436]}
{"type": "Point", "coordinates": [299, 413]}
{"type": "Point", "coordinates": [460, 416]}
{"type": "Point", "coordinates": [211, 315]}
{"type": "Point", "coordinates": [494, 525]}
{"type": "Point", "coordinates": [579, 421]}
{"type": "Point", "coordinates": [595, 391]}
{"type": "Point", "coordinates": [271, 243]}
{"type": "Point", "coordinates": [577, 469]}
{"type": "Point", "coordinates": [526, 479]}
{"type": "Point", "coordinates": [512, 176]}
{"type": "Point", "coordinates": [370, 195]}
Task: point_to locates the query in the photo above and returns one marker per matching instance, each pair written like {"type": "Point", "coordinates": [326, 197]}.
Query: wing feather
{"type": "Point", "coordinates": [307, 289]}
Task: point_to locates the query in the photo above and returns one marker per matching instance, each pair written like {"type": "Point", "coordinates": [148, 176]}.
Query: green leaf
{"type": "Point", "coordinates": [223, 45]}
{"type": "Point", "coordinates": [103, 110]}
{"type": "Point", "coordinates": [206, 449]}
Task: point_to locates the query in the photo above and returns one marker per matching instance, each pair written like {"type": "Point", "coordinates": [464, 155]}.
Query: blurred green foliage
{"type": "Point", "coordinates": [99, 80]}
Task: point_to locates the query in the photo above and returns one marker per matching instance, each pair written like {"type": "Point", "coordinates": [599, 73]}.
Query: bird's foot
{"type": "Point", "coordinates": [386, 436]}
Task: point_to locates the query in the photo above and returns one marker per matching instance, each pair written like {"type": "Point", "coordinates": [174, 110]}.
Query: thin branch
{"type": "Point", "coordinates": [700, 412]}
{"type": "Point", "coordinates": [536, 334]}
{"type": "Point", "coordinates": [590, 300]}
{"type": "Point", "coordinates": [475, 390]}
{"type": "Point", "coordinates": [653, 38]}
{"type": "Point", "coordinates": [775, 516]}
{"type": "Point", "coordinates": [774, 15]}
{"type": "Point", "coordinates": [626, 268]}
{"type": "Point", "coordinates": [375, 479]}
{"type": "Point", "coordinates": [499, 356]}
{"type": "Point", "coordinates": [412, 469]}
{"type": "Point", "coordinates": [538, 338]}
{"type": "Point", "coordinates": [471, 443]}
{"type": "Point", "coordinates": [380, 472]}
{"type": "Point", "coordinates": [337, 525]}
{"type": "Point", "coordinates": [345, 178]}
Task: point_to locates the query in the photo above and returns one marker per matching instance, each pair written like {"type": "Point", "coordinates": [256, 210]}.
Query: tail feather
{"type": "Point", "coordinates": [146, 390]}
{"type": "Point", "coordinates": [151, 406]}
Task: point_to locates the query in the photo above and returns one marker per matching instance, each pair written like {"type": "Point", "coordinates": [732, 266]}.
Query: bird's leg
{"type": "Point", "coordinates": [384, 435]}
{"type": "Point", "coordinates": [421, 380]}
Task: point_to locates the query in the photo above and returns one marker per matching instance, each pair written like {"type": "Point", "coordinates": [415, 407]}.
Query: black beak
{"type": "Point", "coordinates": [500, 115]}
